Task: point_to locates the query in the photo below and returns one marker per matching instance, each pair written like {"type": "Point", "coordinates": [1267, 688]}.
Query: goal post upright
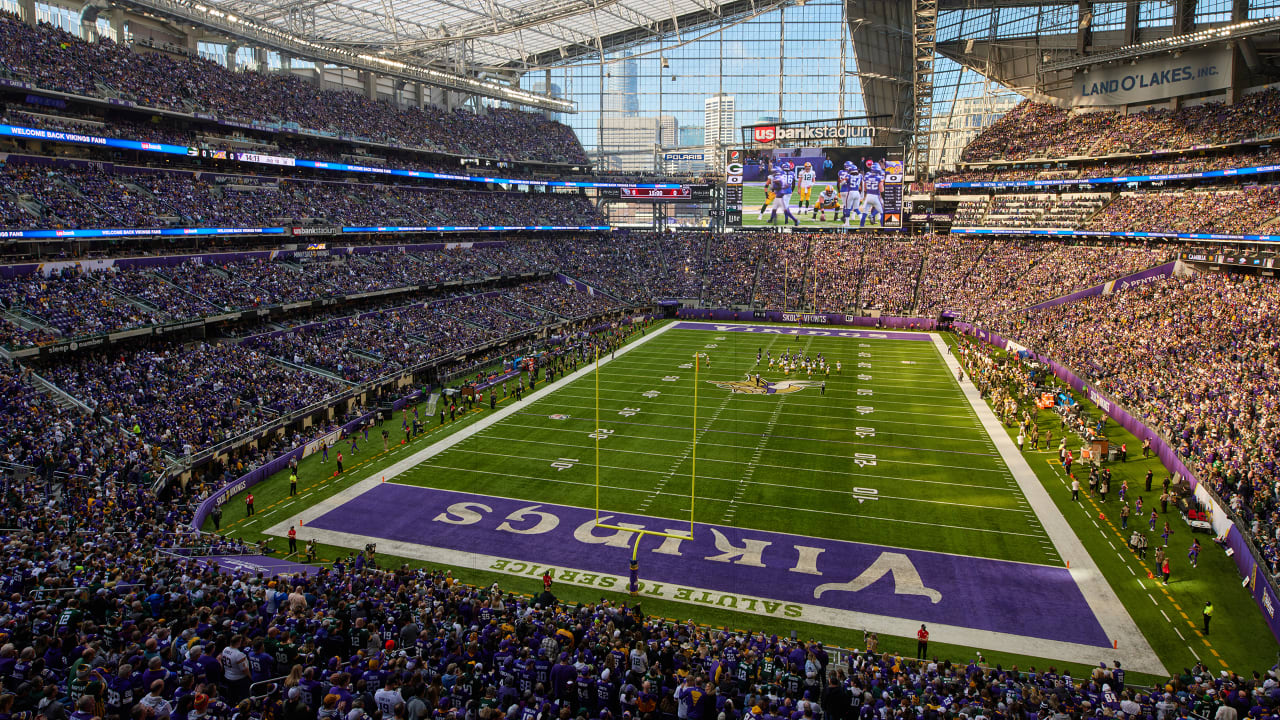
{"type": "Point", "coordinates": [640, 533]}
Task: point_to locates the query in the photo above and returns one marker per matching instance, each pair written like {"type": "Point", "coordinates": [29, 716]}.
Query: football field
{"type": "Point", "coordinates": [873, 497]}
{"type": "Point", "coordinates": [753, 196]}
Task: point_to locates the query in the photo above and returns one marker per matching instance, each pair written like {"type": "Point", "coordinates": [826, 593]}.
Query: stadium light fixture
{"type": "Point", "coordinates": [1235, 31]}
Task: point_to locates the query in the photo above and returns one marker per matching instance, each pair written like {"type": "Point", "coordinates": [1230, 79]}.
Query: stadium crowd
{"type": "Point", "coordinates": [1196, 359]}
{"type": "Point", "coordinates": [45, 197]}
{"type": "Point", "coordinates": [1245, 211]}
{"type": "Point", "coordinates": [128, 625]}
{"type": "Point", "coordinates": [895, 274]}
{"type": "Point", "coordinates": [1247, 156]}
{"type": "Point", "coordinates": [57, 60]}
{"type": "Point", "coordinates": [1039, 130]}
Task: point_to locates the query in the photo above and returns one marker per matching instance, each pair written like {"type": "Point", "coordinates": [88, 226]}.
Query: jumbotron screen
{"type": "Point", "coordinates": [854, 187]}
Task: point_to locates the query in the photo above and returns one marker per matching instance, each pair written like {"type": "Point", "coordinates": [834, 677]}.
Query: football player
{"type": "Point", "coordinates": [807, 177]}
{"type": "Point", "coordinates": [828, 199]}
{"type": "Point", "coordinates": [872, 186]}
{"type": "Point", "coordinates": [768, 190]}
{"type": "Point", "coordinates": [782, 181]}
{"type": "Point", "coordinates": [850, 189]}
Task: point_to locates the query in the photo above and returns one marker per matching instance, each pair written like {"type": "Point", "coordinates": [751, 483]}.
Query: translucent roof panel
{"type": "Point", "coordinates": [474, 33]}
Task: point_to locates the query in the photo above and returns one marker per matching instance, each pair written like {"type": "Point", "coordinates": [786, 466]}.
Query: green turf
{"type": "Point", "coordinates": [802, 482]}
{"type": "Point", "coordinates": [753, 196]}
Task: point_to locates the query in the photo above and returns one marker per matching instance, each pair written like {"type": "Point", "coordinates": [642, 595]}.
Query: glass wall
{"type": "Point", "coordinates": [783, 64]}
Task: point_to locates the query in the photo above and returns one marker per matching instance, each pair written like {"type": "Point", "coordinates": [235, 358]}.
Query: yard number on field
{"type": "Point", "coordinates": [864, 459]}
{"type": "Point", "coordinates": [600, 434]}
{"type": "Point", "coordinates": [864, 494]}
{"type": "Point", "coordinates": [628, 411]}
{"type": "Point", "coordinates": [864, 409]}
{"type": "Point", "coordinates": [564, 463]}
{"type": "Point", "coordinates": [670, 378]}
{"type": "Point", "coordinates": [650, 394]}
{"type": "Point", "coordinates": [865, 391]}
{"type": "Point", "coordinates": [864, 432]}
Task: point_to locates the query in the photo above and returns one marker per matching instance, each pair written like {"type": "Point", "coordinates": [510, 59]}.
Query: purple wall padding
{"type": "Point", "coordinates": [1121, 284]}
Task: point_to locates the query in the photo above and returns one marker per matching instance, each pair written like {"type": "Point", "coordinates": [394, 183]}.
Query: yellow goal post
{"type": "Point", "coordinates": [693, 475]}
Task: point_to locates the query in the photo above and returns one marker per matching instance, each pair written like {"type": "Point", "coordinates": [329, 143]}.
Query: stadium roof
{"type": "Point", "coordinates": [473, 35]}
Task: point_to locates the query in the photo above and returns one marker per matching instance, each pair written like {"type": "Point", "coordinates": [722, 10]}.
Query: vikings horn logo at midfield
{"type": "Point", "coordinates": [749, 386]}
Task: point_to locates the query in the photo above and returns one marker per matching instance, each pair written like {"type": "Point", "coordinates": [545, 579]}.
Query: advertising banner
{"type": "Point", "coordinates": [1155, 78]}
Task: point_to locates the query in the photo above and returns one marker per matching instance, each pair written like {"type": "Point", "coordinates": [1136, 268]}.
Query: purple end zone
{"type": "Point", "coordinates": [254, 564]}
{"type": "Point", "coordinates": [1016, 598]}
{"type": "Point", "coordinates": [801, 331]}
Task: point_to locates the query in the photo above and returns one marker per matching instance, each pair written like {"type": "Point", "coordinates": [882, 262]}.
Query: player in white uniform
{"type": "Point", "coordinates": [807, 178]}
{"type": "Point", "coordinates": [872, 186]}
{"type": "Point", "coordinates": [850, 189]}
{"type": "Point", "coordinates": [781, 183]}
{"type": "Point", "coordinates": [828, 199]}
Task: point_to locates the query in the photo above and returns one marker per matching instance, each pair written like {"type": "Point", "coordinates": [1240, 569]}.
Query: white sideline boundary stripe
{"type": "Point", "coordinates": [1139, 658]}
{"type": "Point", "coordinates": [901, 627]}
{"type": "Point", "coordinates": [411, 461]}
{"type": "Point", "coordinates": [1133, 650]}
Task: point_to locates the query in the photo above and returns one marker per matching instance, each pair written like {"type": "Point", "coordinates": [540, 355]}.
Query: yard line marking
{"type": "Point", "coordinates": [835, 394]}
{"type": "Point", "coordinates": [746, 480]}
{"type": "Point", "coordinates": [767, 434]}
{"type": "Point", "coordinates": [840, 473]}
{"type": "Point", "coordinates": [982, 441]}
{"type": "Point", "coordinates": [742, 502]}
{"type": "Point", "coordinates": [1100, 596]}
{"type": "Point", "coordinates": [967, 468]}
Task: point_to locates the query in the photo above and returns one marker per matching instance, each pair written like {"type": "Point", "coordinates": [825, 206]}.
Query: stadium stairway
{"type": "Point", "coordinates": [57, 394]}
{"type": "Point", "coordinates": [1084, 222]}
{"type": "Point", "coordinates": [313, 370]}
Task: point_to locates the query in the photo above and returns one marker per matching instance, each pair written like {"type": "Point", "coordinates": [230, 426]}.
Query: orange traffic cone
{"type": "Point", "coordinates": [1101, 516]}
{"type": "Point", "coordinates": [1150, 576]}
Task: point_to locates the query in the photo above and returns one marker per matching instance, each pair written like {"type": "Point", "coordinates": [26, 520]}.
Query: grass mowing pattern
{"type": "Point", "coordinates": [922, 474]}
{"type": "Point", "coordinates": [1239, 633]}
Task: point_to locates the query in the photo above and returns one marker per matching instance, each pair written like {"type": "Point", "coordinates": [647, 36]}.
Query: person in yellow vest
{"type": "Point", "coordinates": [1208, 615]}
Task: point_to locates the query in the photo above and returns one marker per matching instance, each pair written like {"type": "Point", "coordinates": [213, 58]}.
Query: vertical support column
{"type": "Point", "coordinates": [117, 24]}
{"type": "Point", "coordinates": [28, 12]}
{"type": "Point", "coordinates": [1184, 16]}
{"type": "Point", "coordinates": [924, 39]}
{"type": "Point", "coordinates": [286, 63]}
{"type": "Point", "coordinates": [232, 49]}
{"type": "Point", "coordinates": [419, 94]}
{"type": "Point", "coordinates": [370, 82]}
{"type": "Point", "coordinates": [262, 57]}
{"type": "Point", "coordinates": [1131, 23]}
{"type": "Point", "coordinates": [1084, 32]}
{"type": "Point", "coordinates": [193, 41]}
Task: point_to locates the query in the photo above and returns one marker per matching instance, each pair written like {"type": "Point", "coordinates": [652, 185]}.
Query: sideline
{"type": "Point", "coordinates": [1133, 647]}
{"type": "Point", "coordinates": [413, 460]}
